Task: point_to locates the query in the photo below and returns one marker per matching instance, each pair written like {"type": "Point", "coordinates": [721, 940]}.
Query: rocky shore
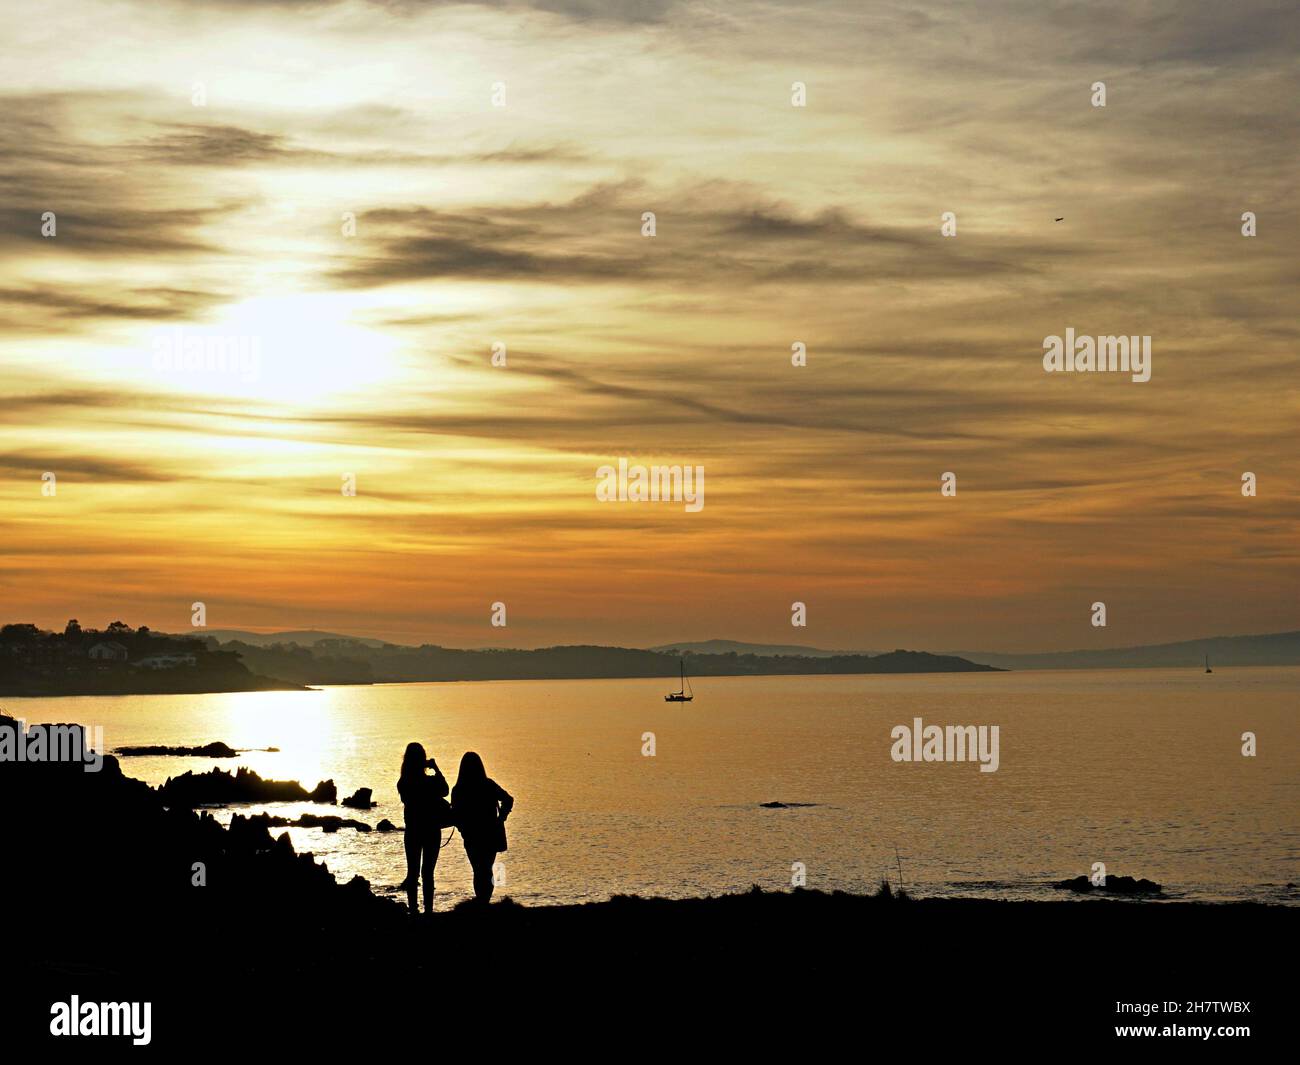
{"type": "Point", "coordinates": [232, 934]}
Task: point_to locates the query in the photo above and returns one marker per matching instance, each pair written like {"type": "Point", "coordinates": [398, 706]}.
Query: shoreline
{"type": "Point", "coordinates": [318, 686]}
{"type": "Point", "coordinates": [326, 685]}
{"type": "Point", "coordinates": [127, 899]}
{"type": "Point", "coordinates": [78, 692]}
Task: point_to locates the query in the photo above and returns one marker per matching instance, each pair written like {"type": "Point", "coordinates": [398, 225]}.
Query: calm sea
{"type": "Point", "coordinates": [1141, 770]}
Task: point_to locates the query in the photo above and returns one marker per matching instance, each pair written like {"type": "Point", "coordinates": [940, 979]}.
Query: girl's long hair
{"type": "Point", "coordinates": [471, 776]}
{"type": "Point", "coordinates": [413, 761]}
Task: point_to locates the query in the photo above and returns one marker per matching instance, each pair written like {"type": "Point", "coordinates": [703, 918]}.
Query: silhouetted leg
{"type": "Point", "coordinates": [481, 861]}
{"type": "Point", "coordinates": [430, 863]}
{"type": "Point", "coordinates": [412, 842]}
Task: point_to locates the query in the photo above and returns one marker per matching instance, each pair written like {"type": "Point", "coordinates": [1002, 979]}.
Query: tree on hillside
{"type": "Point", "coordinates": [19, 633]}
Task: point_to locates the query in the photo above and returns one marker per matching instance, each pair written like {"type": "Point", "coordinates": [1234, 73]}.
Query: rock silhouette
{"type": "Point", "coordinates": [164, 870]}
{"type": "Point", "coordinates": [359, 800]}
{"type": "Point", "coordinates": [1115, 885]}
{"type": "Point", "coordinates": [210, 750]}
{"type": "Point", "coordinates": [218, 787]}
{"type": "Point", "coordinates": [327, 822]}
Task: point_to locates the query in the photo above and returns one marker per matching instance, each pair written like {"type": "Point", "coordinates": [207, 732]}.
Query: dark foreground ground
{"type": "Point", "coordinates": [271, 957]}
{"type": "Point", "coordinates": [777, 974]}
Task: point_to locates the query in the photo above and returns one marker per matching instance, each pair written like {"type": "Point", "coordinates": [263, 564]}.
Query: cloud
{"type": "Point", "coordinates": [19, 464]}
{"type": "Point", "coordinates": [74, 308]}
{"type": "Point", "coordinates": [702, 238]}
{"type": "Point", "coordinates": [594, 11]}
{"type": "Point", "coordinates": [190, 144]}
{"type": "Point", "coordinates": [775, 225]}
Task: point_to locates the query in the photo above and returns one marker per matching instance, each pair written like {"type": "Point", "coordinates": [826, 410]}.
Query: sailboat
{"type": "Point", "coordinates": [685, 695]}
{"type": "Point", "coordinates": [1207, 665]}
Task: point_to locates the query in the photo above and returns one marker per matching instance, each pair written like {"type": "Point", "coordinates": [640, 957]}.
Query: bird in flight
{"type": "Point", "coordinates": [1061, 219]}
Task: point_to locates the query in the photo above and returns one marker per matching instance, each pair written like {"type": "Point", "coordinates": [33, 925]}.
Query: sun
{"type": "Point", "coordinates": [290, 350]}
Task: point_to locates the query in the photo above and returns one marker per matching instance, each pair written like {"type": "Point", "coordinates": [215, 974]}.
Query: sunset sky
{"type": "Point", "coordinates": [776, 224]}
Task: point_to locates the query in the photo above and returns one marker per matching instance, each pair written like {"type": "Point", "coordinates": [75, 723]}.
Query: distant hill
{"type": "Point", "coordinates": [1272, 649]}
{"type": "Point", "coordinates": [302, 637]}
{"type": "Point", "coordinates": [356, 662]}
{"type": "Point", "coordinates": [1269, 649]}
{"type": "Point", "coordinates": [723, 647]}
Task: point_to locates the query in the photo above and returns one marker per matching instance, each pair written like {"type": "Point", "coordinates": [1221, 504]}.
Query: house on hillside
{"type": "Point", "coordinates": [110, 651]}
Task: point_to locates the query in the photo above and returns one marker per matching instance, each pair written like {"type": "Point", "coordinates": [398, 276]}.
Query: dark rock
{"type": "Point", "coordinates": [325, 822]}
{"type": "Point", "coordinates": [1114, 885]}
{"type": "Point", "coordinates": [135, 851]}
{"type": "Point", "coordinates": [325, 792]}
{"type": "Point", "coordinates": [211, 750]}
{"type": "Point", "coordinates": [359, 800]}
{"type": "Point", "coordinates": [218, 786]}
{"type": "Point", "coordinates": [385, 826]}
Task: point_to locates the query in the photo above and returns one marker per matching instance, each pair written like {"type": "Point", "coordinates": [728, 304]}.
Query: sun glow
{"type": "Point", "coordinates": [290, 350]}
{"type": "Point", "coordinates": [304, 725]}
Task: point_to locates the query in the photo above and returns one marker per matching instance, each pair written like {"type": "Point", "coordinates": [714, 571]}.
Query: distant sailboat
{"type": "Point", "coordinates": [1207, 665]}
{"type": "Point", "coordinates": [685, 695]}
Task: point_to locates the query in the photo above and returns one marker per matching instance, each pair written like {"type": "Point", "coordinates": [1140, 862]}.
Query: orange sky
{"type": "Point", "coordinates": [776, 224]}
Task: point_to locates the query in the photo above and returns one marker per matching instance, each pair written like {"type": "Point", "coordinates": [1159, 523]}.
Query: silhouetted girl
{"type": "Point", "coordinates": [480, 806]}
{"type": "Point", "coordinates": [422, 799]}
